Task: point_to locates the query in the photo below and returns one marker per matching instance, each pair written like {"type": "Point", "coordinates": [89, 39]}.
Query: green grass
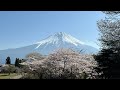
{"type": "Point", "coordinates": [7, 76]}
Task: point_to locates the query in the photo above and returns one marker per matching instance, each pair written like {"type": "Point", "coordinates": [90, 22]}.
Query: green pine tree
{"type": "Point", "coordinates": [8, 60]}
{"type": "Point", "coordinates": [17, 61]}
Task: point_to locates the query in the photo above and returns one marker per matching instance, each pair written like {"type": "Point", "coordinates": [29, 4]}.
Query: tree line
{"type": "Point", "coordinates": [17, 61]}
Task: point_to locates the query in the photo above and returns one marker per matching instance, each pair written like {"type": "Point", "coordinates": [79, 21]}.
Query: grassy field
{"type": "Point", "coordinates": [7, 76]}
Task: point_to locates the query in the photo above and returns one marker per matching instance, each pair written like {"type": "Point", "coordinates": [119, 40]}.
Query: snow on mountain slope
{"type": "Point", "coordinates": [63, 40]}
{"type": "Point", "coordinates": [58, 39]}
{"type": "Point", "coordinates": [48, 45]}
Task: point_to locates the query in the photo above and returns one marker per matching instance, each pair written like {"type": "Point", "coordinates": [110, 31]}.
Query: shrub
{"type": "Point", "coordinates": [8, 69]}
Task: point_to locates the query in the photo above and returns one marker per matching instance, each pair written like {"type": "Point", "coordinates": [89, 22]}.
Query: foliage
{"type": "Point", "coordinates": [108, 57]}
{"type": "Point", "coordinates": [63, 64]}
{"type": "Point", "coordinates": [8, 60]}
{"type": "Point", "coordinates": [111, 13]}
{"type": "Point", "coordinates": [8, 69]}
{"type": "Point", "coordinates": [34, 56]}
{"type": "Point", "coordinates": [17, 61]}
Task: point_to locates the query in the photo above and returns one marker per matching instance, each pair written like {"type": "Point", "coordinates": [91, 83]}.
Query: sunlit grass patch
{"type": "Point", "coordinates": [7, 76]}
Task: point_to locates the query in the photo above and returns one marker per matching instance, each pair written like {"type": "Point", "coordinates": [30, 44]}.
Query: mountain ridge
{"type": "Point", "coordinates": [47, 45]}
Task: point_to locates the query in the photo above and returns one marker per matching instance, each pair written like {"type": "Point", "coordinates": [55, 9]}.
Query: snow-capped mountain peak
{"type": "Point", "coordinates": [47, 46]}
{"type": "Point", "coordinates": [58, 39]}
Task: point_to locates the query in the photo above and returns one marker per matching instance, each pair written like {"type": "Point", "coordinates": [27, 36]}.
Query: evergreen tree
{"type": "Point", "coordinates": [8, 60]}
{"type": "Point", "coordinates": [108, 57]}
{"type": "Point", "coordinates": [17, 61]}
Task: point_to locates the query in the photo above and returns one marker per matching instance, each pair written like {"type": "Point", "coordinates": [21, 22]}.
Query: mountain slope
{"type": "Point", "coordinates": [48, 45]}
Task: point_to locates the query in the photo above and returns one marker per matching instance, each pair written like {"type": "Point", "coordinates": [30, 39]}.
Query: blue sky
{"type": "Point", "coordinates": [22, 28]}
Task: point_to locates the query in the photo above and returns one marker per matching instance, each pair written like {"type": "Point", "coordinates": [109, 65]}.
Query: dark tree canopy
{"type": "Point", "coordinates": [17, 62]}
{"type": "Point", "coordinates": [108, 57]}
{"type": "Point", "coordinates": [8, 60]}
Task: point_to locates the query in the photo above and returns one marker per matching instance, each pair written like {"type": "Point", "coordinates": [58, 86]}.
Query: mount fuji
{"type": "Point", "coordinates": [48, 45]}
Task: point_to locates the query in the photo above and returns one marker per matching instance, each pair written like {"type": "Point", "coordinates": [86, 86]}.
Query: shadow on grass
{"type": "Point", "coordinates": [4, 75]}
